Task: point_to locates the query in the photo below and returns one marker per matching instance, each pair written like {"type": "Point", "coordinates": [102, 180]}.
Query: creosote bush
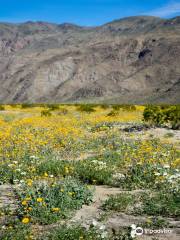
{"type": "Point", "coordinates": [89, 108]}
{"type": "Point", "coordinates": [162, 115]}
{"type": "Point", "coordinates": [46, 113]}
{"type": "Point", "coordinates": [2, 108]}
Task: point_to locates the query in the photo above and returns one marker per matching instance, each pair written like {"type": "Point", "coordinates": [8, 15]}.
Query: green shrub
{"type": "Point", "coordinates": [124, 107]}
{"type": "Point", "coordinates": [89, 108]}
{"type": "Point", "coordinates": [113, 113]}
{"type": "Point", "coordinates": [139, 176]}
{"type": "Point", "coordinates": [104, 106]}
{"type": "Point", "coordinates": [53, 107]}
{"type": "Point", "coordinates": [162, 115]}
{"type": "Point", "coordinates": [2, 108]}
{"type": "Point", "coordinates": [163, 203]}
{"type": "Point", "coordinates": [46, 113]}
{"type": "Point", "coordinates": [119, 202]}
{"type": "Point", "coordinates": [116, 107]}
{"type": "Point", "coordinates": [27, 105]}
{"type": "Point", "coordinates": [172, 115]}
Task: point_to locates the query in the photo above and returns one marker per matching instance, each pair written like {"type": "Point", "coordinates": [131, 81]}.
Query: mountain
{"type": "Point", "coordinates": [131, 60]}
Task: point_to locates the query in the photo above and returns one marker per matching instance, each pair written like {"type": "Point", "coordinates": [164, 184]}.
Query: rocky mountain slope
{"type": "Point", "coordinates": [135, 59]}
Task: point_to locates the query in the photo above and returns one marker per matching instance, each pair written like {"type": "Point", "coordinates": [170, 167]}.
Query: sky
{"type": "Point", "coordinates": [84, 12]}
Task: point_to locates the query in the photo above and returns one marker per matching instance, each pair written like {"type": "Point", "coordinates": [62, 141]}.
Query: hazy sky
{"type": "Point", "coordinates": [84, 12]}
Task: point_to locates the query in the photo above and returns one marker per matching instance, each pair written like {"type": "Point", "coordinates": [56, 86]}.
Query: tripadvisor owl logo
{"type": "Point", "coordinates": [136, 231]}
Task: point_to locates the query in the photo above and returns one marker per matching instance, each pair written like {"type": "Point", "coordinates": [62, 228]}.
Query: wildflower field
{"type": "Point", "coordinates": [84, 172]}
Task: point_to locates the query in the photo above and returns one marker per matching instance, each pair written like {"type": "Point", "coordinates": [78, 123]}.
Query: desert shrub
{"type": "Point", "coordinates": [2, 108]}
{"type": "Point", "coordinates": [27, 105]}
{"type": "Point", "coordinates": [14, 105]}
{"type": "Point", "coordinates": [162, 115]}
{"type": "Point", "coordinates": [53, 107]}
{"type": "Point", "coordinates": [129, 108]}
{"type": "Point", "coordinates": [124, 107]}
{"type": "Point", "coordinates": [112, 113]}
{"type": "Point", "coordinates": [104, 106]}
{"type": "Point", "coordinates": [46, 113]}
{"type": "Point", "coordinates": [119, 202]}
{"type": "Point", "coordinates": [89, 108]}
{"type": "Point", "coordinates": [172, 115]}
{"type": "Point", "coordinates": [160, 204]}
{"type": "Point", "coordinates": [116, 107]}
{"type": "Point", "coordinates": [153, 115]}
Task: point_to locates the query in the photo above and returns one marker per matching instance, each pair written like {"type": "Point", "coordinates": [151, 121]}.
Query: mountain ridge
{"type": "Point", "coordinates": [136, 59]}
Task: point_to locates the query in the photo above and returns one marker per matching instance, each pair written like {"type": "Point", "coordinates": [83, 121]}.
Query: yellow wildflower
{"type": "Point", "coordinates": [29, 182]}
{"type": "Point", "coordinates": [25, 220]}
{"type": "Point", "coordinates": [45, 174]}
{"type": "Point", "coordinates": [55, 209]}
{"type": "Point", "coordinates": [39, 199]}
{"type": "Point", "coordinates": [24, 203]}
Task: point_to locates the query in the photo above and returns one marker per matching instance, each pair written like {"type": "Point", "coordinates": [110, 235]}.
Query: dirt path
{"type": "Point", "coordinates": [87, 214]}
{"type": "Point", "coordinates": [8, 202]}
{"type": "Point", "coordinates": [7, 197]}
{"type": "Point", "coordinates": [93, 211]}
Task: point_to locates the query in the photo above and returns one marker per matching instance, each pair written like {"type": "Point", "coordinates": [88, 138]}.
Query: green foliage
{"type": "Point", "coordinates": [113, 113]}
{"type": "Point", "coordinates": [55, 167]}
{"type": "Point", "coordinates": [172, 115]}
{"type": "Point", "coordinates": [74, 233]}
{"type": "Point", "coordinates": [15, 231]}
{"type": "Point", "coordinates": [162, 115]}
{"type": "Point", "coordinates": [162, 203]}
{"type": "Point", "coordinates": [124, 107]}
{"type": "Point", "coordinates": [104, 106]}
{"type": "Point", "coordinates": [46, 113]}
{"type": "Point", "coordinates": [93, 171]}
{"type": "Point", "coordinates": [89, 108]}
{"type": "Point", "coordinates": [154, 222]}
{"type": "Point", "coordinates": [140, 176]}
{"type": "Point", "coordinates": [119, 202]}
{"type": "Point", "coordinates": [27, 105]}
{"type": "Point", "coordinates": [53, 107]}
{"type": "Point", "coordinates": [2, 108]}
{"type": "Point", "coordinates": [51, 202]}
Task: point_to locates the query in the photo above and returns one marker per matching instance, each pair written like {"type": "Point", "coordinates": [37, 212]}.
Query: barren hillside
{"type": "Point", "coordinates": [135, 59]}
